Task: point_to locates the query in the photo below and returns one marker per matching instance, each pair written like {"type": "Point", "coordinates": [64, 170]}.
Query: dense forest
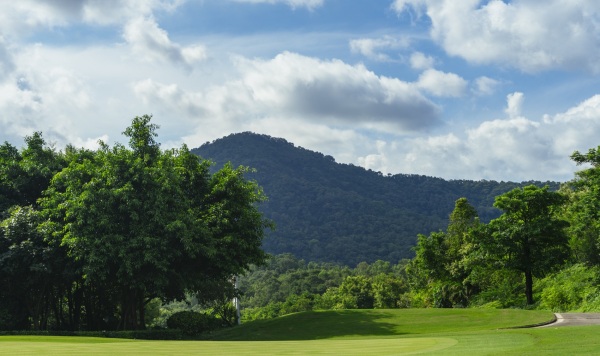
{"type": "Point", "coordinates": [330, 212]}
{"type": "Point", "coordinates": [90, 239]}
{"type": "Point", "coordinates": [541, 252]}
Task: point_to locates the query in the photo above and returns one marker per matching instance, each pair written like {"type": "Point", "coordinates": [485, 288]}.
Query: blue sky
{"type": "Point", "coordinates": [497, 90]}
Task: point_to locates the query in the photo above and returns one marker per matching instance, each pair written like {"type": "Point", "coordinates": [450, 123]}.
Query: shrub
{"type": "Point", "coordinates": [573, 288]}
{"type": "Point", "coordinates": [192, 323]}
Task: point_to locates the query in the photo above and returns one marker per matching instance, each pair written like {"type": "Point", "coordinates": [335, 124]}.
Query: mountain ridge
{"type": "Point", "coordinates": [333, 212]}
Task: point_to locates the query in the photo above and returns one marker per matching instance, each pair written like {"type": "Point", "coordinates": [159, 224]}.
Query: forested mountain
{"type": "Point", "coordinates": [332, 212]}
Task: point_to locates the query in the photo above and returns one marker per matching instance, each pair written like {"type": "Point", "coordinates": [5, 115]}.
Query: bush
{"type": "Point", "coordinates": [571, 289]}
{"type": "Point", "coordinates": [192, 323]}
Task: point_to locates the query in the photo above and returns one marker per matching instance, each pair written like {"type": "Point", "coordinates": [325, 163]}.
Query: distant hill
{"type": "Point", "coordinates": [332, 212]}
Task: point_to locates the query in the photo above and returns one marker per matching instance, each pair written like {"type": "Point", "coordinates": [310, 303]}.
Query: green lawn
{"type": "Point", "coordinates": [353, 332]}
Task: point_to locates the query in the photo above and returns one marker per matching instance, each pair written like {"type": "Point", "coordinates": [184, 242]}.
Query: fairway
{"type": "Point", "coordinates": [356, 332]}
{"type": "Point", "coordinates": [71, 346]}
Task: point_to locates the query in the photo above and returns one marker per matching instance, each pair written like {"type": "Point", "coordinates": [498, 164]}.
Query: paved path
{"type": "Point", "coordinates": [572, 319]}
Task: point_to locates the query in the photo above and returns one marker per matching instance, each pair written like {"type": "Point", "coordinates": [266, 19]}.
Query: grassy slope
{"type": "Point", "coordinates": [368, 332]}
{"type": "Point", "coordinates": [381, 323]}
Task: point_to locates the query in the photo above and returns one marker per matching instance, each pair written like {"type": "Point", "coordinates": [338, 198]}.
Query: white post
{"type": "Point", "coordinates": [236, 301]}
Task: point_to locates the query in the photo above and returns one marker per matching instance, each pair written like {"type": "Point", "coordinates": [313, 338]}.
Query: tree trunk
{"type": "Point", "coordinates": [130, 308]}
{"type": "Point", "coordinates": [529, 287]}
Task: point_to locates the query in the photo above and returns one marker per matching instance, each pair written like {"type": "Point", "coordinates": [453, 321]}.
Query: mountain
{"type": "Point", "coordinates": [331, 212]}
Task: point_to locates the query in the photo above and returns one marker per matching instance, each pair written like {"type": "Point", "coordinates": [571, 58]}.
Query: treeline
{"type": "Point", "coordinates": [287, 284]}
{"type": "Point", "coordinates": [91, 239]}
{"type": "Point", "coordinates": [331, 212]}
{"type": "Point", "coordinates": [541, 252]}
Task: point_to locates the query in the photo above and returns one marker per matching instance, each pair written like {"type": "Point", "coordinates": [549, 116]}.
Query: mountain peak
{"type": "Point", "coordinates": [332, 212]}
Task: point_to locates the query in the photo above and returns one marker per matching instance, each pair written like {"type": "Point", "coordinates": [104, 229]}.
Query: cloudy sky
{"type": "Point", "coordinates": [497, 90]}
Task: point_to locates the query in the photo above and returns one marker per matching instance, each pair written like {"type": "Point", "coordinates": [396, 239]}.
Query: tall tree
{"type": "Point", "coordinates": [583, 210]}
{"type": "Point", "coordinates": [30, 269]}
{"type": "Point", "coordinates": [26, 173]}
{"type": "Point", "coordinates": [528, 236]}
{"type": "Point", "coordinates": [147, 223]}
{"type": "Point", "coordinates": [441, 267]}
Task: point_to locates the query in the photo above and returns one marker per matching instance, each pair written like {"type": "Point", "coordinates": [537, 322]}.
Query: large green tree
{"type": "Point", "coordinates": [26, 173]}
{"type": "Point", "coordinates": [583, 210]}
{"type": "Point", "coordinates": [147, 223]}
{"type": "Point", "coordinates": [528, 236]}
{"type": "Point", "coordinates": [442, 263]}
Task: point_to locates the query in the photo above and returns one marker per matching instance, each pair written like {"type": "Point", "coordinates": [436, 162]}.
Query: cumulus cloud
{"type": "Point", "coordinates": [294, 86]}
{"type": "Point", "coordinates": [373, 48]}
{"type": "Point", "coordinates": [23, 16]}
{"type": "Point", "coordinates": [309, 4]}
{"type": "Point", "coordinates": [441, 83]}
{"type": "Point", "coordinates": [151, 42]}
{"type": "Point", "coordinates": [510, 148]}
{"type": "Point", "coordinates": [419, 60]}
{"type": "Point", "coordinates": [51, 90]}
{"type": "Point", "coordinates": [514, 104]}
{"type": "Point", "coordinates": [6, 61]}
{"type": "Point", "coordinates": [528, 34]}
{"type": "Point", "coordinates": [485, 85]}
{"type": "Point", "coordinates": [42, 100]}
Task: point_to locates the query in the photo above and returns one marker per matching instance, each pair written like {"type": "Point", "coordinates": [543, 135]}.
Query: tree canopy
{"type": "Point", "coordinates": [132, 223]}
{"type": "Point", "coordinates": [528, 236]}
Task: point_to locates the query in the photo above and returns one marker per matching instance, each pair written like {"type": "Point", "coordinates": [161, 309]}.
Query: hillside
{"type": "Point", "coordinates": [326, 211]}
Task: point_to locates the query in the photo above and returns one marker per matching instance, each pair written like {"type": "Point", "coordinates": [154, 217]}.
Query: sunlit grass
{"type": "Point", "coordinates": [353, 332]}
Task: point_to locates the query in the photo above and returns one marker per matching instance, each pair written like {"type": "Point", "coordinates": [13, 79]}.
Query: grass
{"type": "Point", "coordinates": [381, 323]}
{"type": "Point", "coordinates": [353, 332]}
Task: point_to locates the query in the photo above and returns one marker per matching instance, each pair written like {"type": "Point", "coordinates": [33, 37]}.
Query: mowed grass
{"type": "Point", "coordinates": [352, 332]}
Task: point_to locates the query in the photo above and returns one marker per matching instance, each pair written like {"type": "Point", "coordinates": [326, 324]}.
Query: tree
{"type": "Point", "coordinates": [147, 223]}
{"type": "Point", "coordinates": [359, 289]}
{"type": "Point", "coordinates": [31, 270]}
{"type": "Point", "coordinates": [25, 174]}
{"type": "Point", "coordinates": [441, 266]}
{"type": "Point", "coordinates": [583, 209]}
{"type": "Point", "coordinates": [528, 236]}
{"type": "Point", "coordinates": [462, 244]}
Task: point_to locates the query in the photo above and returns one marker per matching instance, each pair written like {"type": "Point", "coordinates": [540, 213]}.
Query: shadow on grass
{"type": "Point", "coordinates": [313, 326]}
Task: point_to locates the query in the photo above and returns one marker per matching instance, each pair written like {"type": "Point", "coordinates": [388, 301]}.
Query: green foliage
{"type": "Point", "coordinates": [575, 288]}
{"type": "Point", "coordinates": [98, 235]}
{"type": "Point", "coordinates": [500, 288]}
{"type": "Point", "coordinates": [330, 212]}
{"type": "Point", "coordinates": [285, 275]}
{"type": "Point", "coordinates": [192, 323]}
{"type": "Point", "coordinates": [529, 236]}
{"type": "Point", "coordinates": [441, 274]}
{"type": "Point", "coordinates": [303, 287]}
{"type": "Point", "coordinates": [359, 289]}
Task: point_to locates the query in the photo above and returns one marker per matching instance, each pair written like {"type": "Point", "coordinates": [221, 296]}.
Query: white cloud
{"type": "Point", "coordinates": [20, 17]}
{"type": "Point", "coordinates": [152, 43]}
{"type": "Point", "coordinates": [485, 85]}
{"type": "Point", "coordinates": [419, 60]}
{"type": "Point", "coordinates": [67, 95]}
{"type": "Point", "coordinates": [528, 34]}
{"type": "Point", "coordinates": [6, 61]}
{"type": "Point", "coordinates": [43, 100]}
{"type": "Point", "coordinates": [309, 4]}
{"type": "Point", "coordinates": [291, 86]}
{"type": "Point", "coordinates": [513, 148]}
{"type": "Point", "coordinates": [578, 128]}
{"type": "Point", "coordinates": [374, 48]}
{"type": "Point", "coordinates": [514, 104]}
{"type": "Point", "coordinates": [442, 84]}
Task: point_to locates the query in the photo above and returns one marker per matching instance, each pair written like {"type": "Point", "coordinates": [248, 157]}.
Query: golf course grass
{"type": "Point", "coordinates": [351, 332]}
